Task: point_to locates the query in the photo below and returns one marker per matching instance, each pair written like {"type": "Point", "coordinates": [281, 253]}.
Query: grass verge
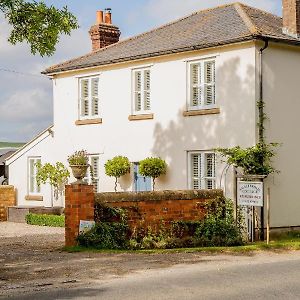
{"type": "Point", "coordinates": [284, 243]}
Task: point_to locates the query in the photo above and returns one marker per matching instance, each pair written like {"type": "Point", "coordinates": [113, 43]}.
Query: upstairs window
{"type": "Point", "coordinates": [89, 98]}
{"type": "Point", "coordinates": [202, 85]}
{"type": "Point", "coordinates": [202, 170]}
{"type": "Point", "coordinates": [141, 91]}
{"type": "Point", "coordinates": [33, 187]}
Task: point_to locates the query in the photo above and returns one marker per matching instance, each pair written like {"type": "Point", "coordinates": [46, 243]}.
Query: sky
{"type": "Point", "coordinates": [26, 95]}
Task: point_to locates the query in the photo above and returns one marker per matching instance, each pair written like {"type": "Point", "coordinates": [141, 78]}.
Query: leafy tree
{"type": "Point", "coordinates": [153, 167]}
{"type": "Point", "coordinates": [37, 24]}
{"type": "Point", "coordinates": [117, 167]}
{"type": "Point", "coordinates": [57, 175]}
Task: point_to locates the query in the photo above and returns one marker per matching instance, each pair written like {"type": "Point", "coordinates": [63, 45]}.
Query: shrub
{"type": "Point", "coordinates": [105, 235]}
{"type": "Point", "coordinates": [45, 220]}
{"type": "Point", "coordinates": [117, 167]}
{"type": "Point", "coordinates": [219, 227]}
{"type": "Point", "coordinates": [153, 167]}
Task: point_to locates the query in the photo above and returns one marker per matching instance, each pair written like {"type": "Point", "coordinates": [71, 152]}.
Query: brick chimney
{"type": "Point", "coordinates": [291, 17]}
{"type": "Point", "coordinates": [103, 33]}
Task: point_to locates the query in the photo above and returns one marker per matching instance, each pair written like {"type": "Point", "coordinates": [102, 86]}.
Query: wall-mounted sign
{"type": "Point", "coordinates": [85, 226]}
{"type": "Point", "coordinates": [250, 193]}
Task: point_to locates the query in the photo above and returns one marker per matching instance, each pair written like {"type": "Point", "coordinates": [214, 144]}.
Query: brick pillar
{"type": "Point", "coordinates": [79, 206]}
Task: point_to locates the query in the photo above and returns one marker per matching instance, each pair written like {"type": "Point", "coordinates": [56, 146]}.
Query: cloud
{"type": "Point", "coordinates": [167, 10]}
{"type": "Point", "coordinates": [27, 105]}
{"type": "Point", "coordinates": [26, 95]}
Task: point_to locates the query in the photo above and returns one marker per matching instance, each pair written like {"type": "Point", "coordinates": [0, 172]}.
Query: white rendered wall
{"type": "Point", "coordinates": [282, 97]}
{"type": "Point", "coordinates": [169, 135]}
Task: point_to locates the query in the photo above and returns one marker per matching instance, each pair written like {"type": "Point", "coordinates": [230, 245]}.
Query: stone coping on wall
{"type": "Point", "coordinates": [157, 195]}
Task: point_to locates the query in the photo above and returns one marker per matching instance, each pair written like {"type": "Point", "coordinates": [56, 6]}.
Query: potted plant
{"type": "Point", "coordinates": [79, 164]}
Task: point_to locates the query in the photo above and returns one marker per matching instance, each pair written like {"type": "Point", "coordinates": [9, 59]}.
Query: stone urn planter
{"type": "Point", "coordinates": [79, 172]}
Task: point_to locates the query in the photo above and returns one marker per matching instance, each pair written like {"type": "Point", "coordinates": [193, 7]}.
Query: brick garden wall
{"type": "Point", "coordinates": [7, 198]}
{"type": "Point", "coordinates": [145, 209]}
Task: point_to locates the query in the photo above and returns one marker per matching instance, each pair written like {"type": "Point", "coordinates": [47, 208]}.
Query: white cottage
{"type": "Point", "coordinates": [177, 92]}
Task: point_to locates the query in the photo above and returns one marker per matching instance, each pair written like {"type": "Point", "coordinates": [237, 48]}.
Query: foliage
{"type": "Point", "coordinates": [219, 227]}
{"type": "Point", "coordinates": [37, 24]}
{"type": "Point", "coordinates": [153, 167]}
{"type": "Point", "coordinates": [79, 158]}
{"type": "Point", "coordinates": [104, 213]}
{"type": "Point", "coordinates": [256, 160]}
{"type": "Point", "coordinates": [45, 220]}
{"type": "Point", "coordinates": [117, 167]}
{"type": "Point", "coordinates": [105, 235]}
{"type": "Point", "coordinates": [57, 175]}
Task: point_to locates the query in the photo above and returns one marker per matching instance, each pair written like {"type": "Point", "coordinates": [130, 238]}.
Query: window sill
{"type": "Point", "coordinates": [33, 198]}
{"type": "Point", "coordinates": [141, 117]}
{"type": "Point", "coordinates": [200, 112]}
{"type": "Point", "coordinates": [88, 121]}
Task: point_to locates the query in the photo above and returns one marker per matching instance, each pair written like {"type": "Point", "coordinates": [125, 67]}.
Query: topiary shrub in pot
{"type": "Point", "coordinates": [117, 167]}
{"type": "Point", "coordinates": [153, 167]}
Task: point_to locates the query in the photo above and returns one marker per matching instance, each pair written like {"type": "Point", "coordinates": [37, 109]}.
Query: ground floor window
{"type": "Point", "coordinates": [202, 170]}
{"type": "Point", "coordinates": [140, 182]}
{"type": "Point", "coordinates": [33, 187]}
{"type": "Point", "coordinates": [94, 180]}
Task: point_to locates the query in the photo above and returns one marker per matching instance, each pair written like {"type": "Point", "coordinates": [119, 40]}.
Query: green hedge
{"type": "Point", "coordinates": [45, 220]}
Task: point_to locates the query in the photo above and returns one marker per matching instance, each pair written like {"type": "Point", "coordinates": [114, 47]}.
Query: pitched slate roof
{"type": "Point", "coordinates": [222, 25]}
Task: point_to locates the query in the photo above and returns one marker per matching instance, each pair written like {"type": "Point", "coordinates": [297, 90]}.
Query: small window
{"type": "Point", "coordinates": [141, 91]}
{"type": "Point", "coordinates": [89, 98]}
{"type": "Point", "coordinates": [94, 162]}
{"type": "Point", "coordinates": [202, 170]}
{"type": "Point", "coordinates": [33, 187]}
{"type": "Point", "coordinates": [202, 85]}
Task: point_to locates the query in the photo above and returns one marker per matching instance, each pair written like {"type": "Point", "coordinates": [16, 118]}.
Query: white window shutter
{"type": "Point", "coordinates": [209, 92]}
{"type": "Point", "coordinates": [84, 97]}
{"type": "Point", "coordinates": [195, 84]}
{"type": "Point", "coordinates": [210, 170]}
{"type": "Point", "coordinates": [95, 166]}
{"type": "Point", "coordinates": [95, 96]}
{"type": "Point", "coordinates": [137, 92]}
{"type": "Point", "coordinates": [147, 105]}
{"type": "Point", "coordinates": [196, 171]}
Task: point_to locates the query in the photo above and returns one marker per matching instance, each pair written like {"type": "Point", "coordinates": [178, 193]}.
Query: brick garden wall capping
{"type": "Point", "coordinates": [7, 198]}
{"type": "Point", "coordinates": [151, 208]}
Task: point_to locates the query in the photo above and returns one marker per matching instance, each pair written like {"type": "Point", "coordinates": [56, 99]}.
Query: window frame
{"type": "Point", "coordinates": [37, 191]}
{"type": "Point", "coordinates": [203, 178]}
{"type": "Point", "coordinates": [202, 84]}
{"type": "Point", "coordinates": [88, 178]}
{"type": "Point", "coordinates": [90, 116]}
{"type": "Point", "coordinates": [143, 111]}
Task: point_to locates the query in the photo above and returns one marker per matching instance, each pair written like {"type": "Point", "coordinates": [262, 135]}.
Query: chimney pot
{"type": "Point", "coordinates": [103, 33]}
{"type": "Point", "coordinates": [108, 19]}
{"type": "Point", "coordinates": [99, 17]}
